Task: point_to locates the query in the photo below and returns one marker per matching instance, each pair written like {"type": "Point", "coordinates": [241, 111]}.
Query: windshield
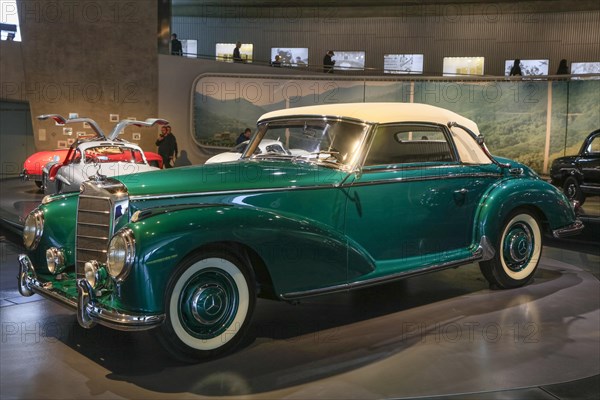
{"type": "Point", "coordinates": [327, 141]}
{"type": "Point", "coordinates": [104, 154]}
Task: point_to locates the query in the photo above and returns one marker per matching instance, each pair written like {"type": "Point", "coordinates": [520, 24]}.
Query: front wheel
{"type": "Point", "coordinates": [518, 251]}
{"type": "Point", "coordinates": [572, 190]}
{"type": "Point", "coordinates": [209, 303]}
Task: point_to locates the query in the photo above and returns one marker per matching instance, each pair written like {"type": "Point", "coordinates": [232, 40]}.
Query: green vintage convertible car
{"type": "Point", "coordinates": [368, 193]}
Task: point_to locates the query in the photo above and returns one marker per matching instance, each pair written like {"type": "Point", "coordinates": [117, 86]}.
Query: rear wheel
{"type": "Point", "coordinates": [209, 303]}
{"type": "Point", "coordinates": [572, 190]}
{"type": "Point", "coordinates": [518, 251]}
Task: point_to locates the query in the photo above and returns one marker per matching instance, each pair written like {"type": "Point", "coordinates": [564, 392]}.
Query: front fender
{"type": "Point", "coordinates": [59, 230]}
{"type": "Point", "coordinates": [513, 193]}
{"type": "Point", "coordinates": [299, 254]}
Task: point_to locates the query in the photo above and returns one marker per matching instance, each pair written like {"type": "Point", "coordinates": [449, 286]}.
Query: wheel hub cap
{"type": "Point", "coordinates": [518, 246]}
{"type": "Point", "coordinates": [208, 303]}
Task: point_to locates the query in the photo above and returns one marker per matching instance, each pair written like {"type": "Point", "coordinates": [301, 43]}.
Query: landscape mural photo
{"type": "Point", "coordinates": [512, 115]}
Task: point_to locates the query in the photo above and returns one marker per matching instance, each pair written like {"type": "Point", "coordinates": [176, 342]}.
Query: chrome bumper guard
{"type": "Point", "coordinates": [26, 177]}
{"type": "Point", "coordinates": [574, 229]}
{"type": "Point", "coordinates": [89, 312]}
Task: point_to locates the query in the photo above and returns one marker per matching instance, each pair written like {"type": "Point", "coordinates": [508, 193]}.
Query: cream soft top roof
{"type": "Point", "coordinates": [379, 112]}
{"type": "Point", "coordinates": [383, 113]}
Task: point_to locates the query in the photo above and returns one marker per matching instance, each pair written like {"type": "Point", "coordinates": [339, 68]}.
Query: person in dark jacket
{"type": "Point", "coordinates": [167, 146]}
{"type": "Point", "coordinates": [237, 57]}
{"type": "Point", "coordinates": [176, 48]}
{"type": "Point", "coordinates": [244, 136]}
{"type": "Point", "coordinates": [328, 63]}
{"type": "Point", "coordinates": [563, 68]}
{"type": "Point", "coordinates": [516, 68]}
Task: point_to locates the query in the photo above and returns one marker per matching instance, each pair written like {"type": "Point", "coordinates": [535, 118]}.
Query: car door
{"type": "Point", "coordinates": [590, 163]}
{"type": "Point", "coordinates": [414, 202]}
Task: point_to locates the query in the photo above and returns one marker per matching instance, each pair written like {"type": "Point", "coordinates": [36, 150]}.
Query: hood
{"type": "Point", "coordinates": [237, 175]}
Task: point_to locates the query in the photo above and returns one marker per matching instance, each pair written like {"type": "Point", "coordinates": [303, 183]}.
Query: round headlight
{"type": "Point", "coordinates": [55, 260]}
{"type": "Point", "coordinates": [121, 252]}
{"type": "Point", "coordinates": [33, 229]}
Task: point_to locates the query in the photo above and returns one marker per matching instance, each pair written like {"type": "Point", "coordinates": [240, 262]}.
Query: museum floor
{"type": "Point", "coordinates": [444, 335]}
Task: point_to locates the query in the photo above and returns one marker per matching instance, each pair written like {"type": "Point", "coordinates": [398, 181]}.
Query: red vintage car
{"type": "Point", "coordinates": [33, 165]}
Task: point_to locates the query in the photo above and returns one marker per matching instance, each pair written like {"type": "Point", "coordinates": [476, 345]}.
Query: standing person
{"type": "Point", "coordinates": [563, 68]}
{"type": "Point", "coordinates": [244, 136]}
{"type": "Point", "coordinates": [277, 61]}
{"type": "Point", "coordinates": [516, 68]}
{"type": "Point", "coordinates": [237, 57]}
{"type": "Point", "coordinates": [328, 63]}
{"type": "Point", "coordinates": [176, 48]}
{"type": "Point", "coordinates": [167, 146]}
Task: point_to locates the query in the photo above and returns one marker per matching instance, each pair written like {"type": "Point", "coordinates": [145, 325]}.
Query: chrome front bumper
{"type": "Point", "coordinates": [574, 229]}
{"type": "Point", "coordinates": [89, 312]}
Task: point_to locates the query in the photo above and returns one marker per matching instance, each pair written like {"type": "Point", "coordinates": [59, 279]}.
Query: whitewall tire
{"type": "Point", "coordinates": [209, 303]}
{"type": "Point", "coordinates": [518, 252]}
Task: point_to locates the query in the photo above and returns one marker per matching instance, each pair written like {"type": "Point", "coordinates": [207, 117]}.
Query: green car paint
{"type": "Point", "coordinates": [305, 226]}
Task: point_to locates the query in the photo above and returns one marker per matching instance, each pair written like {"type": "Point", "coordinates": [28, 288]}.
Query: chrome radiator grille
{"type": "Point", "coordinates": [95, 219]}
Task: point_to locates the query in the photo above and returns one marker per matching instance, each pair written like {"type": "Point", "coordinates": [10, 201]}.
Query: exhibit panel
{"type": "Point", "coordinates": [532, 121]}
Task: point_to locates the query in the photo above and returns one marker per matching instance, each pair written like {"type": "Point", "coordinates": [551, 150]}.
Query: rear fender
{"type": "Point", "coordinates": [549, 204]}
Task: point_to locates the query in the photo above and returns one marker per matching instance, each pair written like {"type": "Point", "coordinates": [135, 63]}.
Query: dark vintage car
{"type": "Point", "coordinates": [380, 192]}
{"type": "Point", "coordinates": [579, 175]}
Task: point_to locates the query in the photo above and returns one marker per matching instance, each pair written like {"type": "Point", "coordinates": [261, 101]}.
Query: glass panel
{"type": "Point", "coordinates": [408, 144]}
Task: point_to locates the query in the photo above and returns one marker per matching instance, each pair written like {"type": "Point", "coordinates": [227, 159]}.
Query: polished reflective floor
{"type": "Point", "coordinates": [444, 334]}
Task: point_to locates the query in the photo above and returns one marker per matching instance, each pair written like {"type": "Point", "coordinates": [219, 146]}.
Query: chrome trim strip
{"type": "Point", "coordinates": [483, 252]}
{"type": "Point", "coordinates": [50, 198]}
{"type": "Point", "coordinates": [590, 188]}
{"type": "Point", "coordinates": [425, 178]}
{"type": "Point", "coordinates": [574, 229]}
{"type": "Point", "coordinates": [312, 187]}
{"type": "Point", "coordinates": [408, 166]}
{"type": "Point", "coordinates": [324, 117]}
{"type": "Point", "coordinates": [94, 237]}
{"type": "Point", "coordinates": [88, 311]}
{"type": "Point", "coordinates": [226, 192]}
{"type": "Point", "coordinates": [379, 280]}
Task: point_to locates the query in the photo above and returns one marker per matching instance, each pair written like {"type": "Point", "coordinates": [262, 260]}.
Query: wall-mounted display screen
{"type": "Point", "coordinates": [291, 57]}
{"type": "Point", "coordinates": [585, 68]}
{"type": "Point", "coordinates": [189, 48]}
{"type": "Point", "coordinates": [403, 63]}
{"type": "Point", "coordinates": [349, 60]}
{"type": "Point", "coordinates": [456, 66]}
{"type": "Point", "coordinates": [224, 52]}
{"type": "Point", "coordinates": [9, 21]}
{"type": "Point", "coordinates": [528, 67]}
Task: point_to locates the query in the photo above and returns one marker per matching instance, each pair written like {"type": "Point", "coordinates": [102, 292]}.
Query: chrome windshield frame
{"type": "Point", "coordinates": [263, 127]}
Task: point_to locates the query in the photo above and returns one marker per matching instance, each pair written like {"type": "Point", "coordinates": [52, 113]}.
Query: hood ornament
{"type": "Point", "coordinates": [97, 176]}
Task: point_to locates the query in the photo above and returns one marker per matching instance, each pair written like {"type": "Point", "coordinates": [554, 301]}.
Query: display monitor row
{"type": "Point", "coordinates": [397, 63]}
